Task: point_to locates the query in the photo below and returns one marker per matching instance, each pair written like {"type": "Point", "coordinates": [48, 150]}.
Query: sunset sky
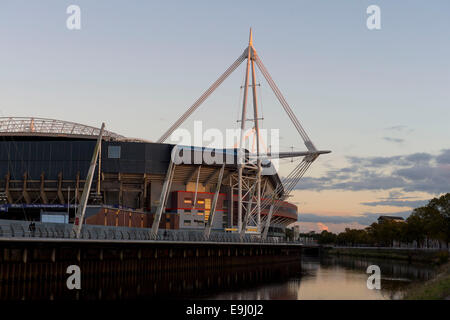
{"type": "Point", "coordinates": [380, 99]}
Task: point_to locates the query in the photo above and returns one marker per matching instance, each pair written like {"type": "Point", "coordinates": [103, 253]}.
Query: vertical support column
{"type": "Point", "coordinates": [214, 203]}
{"type": "Point", "coordinates": [164, 195]}
{"type": "Point", "coordinates": [25, 194]}
{"type": "Point", "coordinates": [79, 216]}
{"type": "Point", "coordinates": [42, 189]}
{"type": "Point", "coordinates": [240, 157]}
{"type": "Point", "coordinates": [258, 159]}
{"type": "Point", "coordinates": [144, 199]}
{"type": "Point", "coordinates": [59, 192]}
{"type": "Point", "coordinates": [8, 193]}
{"type": "Point", "coordinates": [77, 188]}
{"type": "Point", "coordinates": [120, 190]}
{"type": "Point", "coordinates": [269, 218]}
{"type": "Point", "coordinates": [99, 174]}
{"type": "Point", "coordinates": [248, 211]}
{"type": "Point", "coordinates": [269, 215]}
{"type": "Point", "coordinates": [68, 202]}
{"type": "Point", "coordinates": [231, 204]}
{"type": "Point", "coordinates": [194, 202]}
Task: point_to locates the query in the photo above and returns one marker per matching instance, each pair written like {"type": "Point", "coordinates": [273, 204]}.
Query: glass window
{"type": "Point", "coordinates": [114, 152]}
{"type": "Point", "coordinates": [55, 218]}
{"type": "Point", "coordinates": [187, 200]}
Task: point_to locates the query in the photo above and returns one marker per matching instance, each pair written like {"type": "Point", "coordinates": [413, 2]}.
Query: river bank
{"type": "Point", "coordinates": [437, 288]}
{"type": "Point", "coordinates": [410, 255]}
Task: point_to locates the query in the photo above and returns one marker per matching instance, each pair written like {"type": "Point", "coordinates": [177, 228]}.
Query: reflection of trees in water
{"type": "Point", "coordinates": [283, 290]}
{"type": "Point", "coordinates": [395, 275]}
{"type": "Point", "coordinates": [389, 268]}
{"type": "Point", "coordinates": [191, 283]}
{"type": "Point", "coordinates": [267, 281]}
{"type": "Point", "coordinates": [393, 289]}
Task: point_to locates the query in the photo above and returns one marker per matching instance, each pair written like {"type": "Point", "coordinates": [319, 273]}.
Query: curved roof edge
{"type": "Point", "coordinates": [34, 126]}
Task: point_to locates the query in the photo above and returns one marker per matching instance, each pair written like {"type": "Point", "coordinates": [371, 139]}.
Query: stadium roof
{"type": "Point", "coordinates": [32, 126]}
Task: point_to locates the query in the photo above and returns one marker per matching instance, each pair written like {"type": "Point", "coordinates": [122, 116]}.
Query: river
{"type": "Point", "coordinates": [339, 278]}
{"type": "Point", "coordinates": [311, 277]}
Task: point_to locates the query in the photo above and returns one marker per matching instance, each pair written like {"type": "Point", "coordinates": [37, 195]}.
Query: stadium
{"type": "Point", "coordinates": [44, 164]}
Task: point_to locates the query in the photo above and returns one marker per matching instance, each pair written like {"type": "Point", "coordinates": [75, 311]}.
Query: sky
{"type": "Point", "coordinates": [379, 99]}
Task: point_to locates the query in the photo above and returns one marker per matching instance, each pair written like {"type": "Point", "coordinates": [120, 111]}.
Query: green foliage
{"type": "Point", "coordinates": [326, 237]}
{"type": "Point", "coordinates": [435, 289]}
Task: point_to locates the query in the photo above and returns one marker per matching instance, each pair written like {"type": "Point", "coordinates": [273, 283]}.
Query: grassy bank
{"type": "Point", "coordinates": [435, 257]}
{"type": "Point", "coordinates": [437, 288]}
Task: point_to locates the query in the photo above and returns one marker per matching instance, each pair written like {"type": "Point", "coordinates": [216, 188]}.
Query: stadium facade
{"type": "Point", "coordinates": [44, 163]}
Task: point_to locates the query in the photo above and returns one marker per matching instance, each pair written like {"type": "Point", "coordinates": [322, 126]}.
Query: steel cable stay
{"type": "Point", "coordinates": [284, 104]}
{"type": "Point", "coordinates": [241, 93]}
{"type": "Point", "coordinates": [292, 181]}
{"type": "Point", "coordinates": [203, 97]}
{"type": "Point", "coordinates": [288, 184]}
{"type": "Point", "coordinates": [284, 188]}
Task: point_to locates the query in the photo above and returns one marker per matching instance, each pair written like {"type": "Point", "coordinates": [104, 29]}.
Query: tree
{"type": "Point", "coordinates": [415, 230]}
{"type": "Point", "coordinates": [442, 205]}
{"type": "Point", "coordinates": [326, 237]}
{"type": "Point", "coordinates": [429, 223]}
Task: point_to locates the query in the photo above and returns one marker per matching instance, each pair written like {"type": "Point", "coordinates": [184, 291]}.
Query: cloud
{"type": "Point", "coordinates": [333, 227]}
{"type": "Point", "coordinates": [397, 203]}
{"type": "Point", "coordinates": [395, 140]}
{"type": "Point", "coordinates": [444, 157]}
{"type": "Point", "coordinates": [365, 219]}
{"type": "Point", "coordinates": [397, 128]}
{"type": "Point", "coordinates": [419, 157]}
{"type": "Point", "coordinates": [397, 195]}
{"type": "Point", "coordinates": [422, 172]}
{"type": "Point", "coordinates": [400, 128]}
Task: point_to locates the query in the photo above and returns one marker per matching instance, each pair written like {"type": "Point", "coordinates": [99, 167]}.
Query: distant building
{"type": "Point", "coordinates": [390, 218]}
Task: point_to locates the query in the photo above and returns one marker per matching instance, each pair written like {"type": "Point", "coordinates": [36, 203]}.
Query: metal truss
{"type": "Point", "coordinates": [251, 187]}
{"type": "Point", "coordinates": [50, 127]}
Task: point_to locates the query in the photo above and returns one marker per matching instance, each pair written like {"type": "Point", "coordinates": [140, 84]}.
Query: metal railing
{"type": "Point", "coordinates": [24, 229]}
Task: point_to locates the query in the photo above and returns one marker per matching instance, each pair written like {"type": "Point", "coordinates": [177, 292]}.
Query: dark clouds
{"type": "Point", "coordinates": [413, 172]}
{"type": "Point", "coordinates": [444, 157]}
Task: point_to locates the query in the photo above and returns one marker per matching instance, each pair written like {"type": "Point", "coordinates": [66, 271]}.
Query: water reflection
{"type": "Point", "coordinates": [142, 284]}
{"type": "Point", "coordinates": [312, 278]}
{"type": "Point", "coordinates": [340, 278]}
